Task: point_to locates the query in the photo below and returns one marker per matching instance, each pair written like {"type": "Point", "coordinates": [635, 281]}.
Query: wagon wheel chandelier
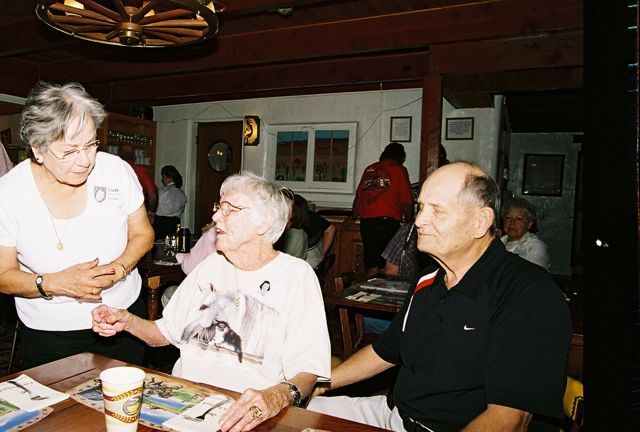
{"type": "Point", "coordinates": [133, 23]}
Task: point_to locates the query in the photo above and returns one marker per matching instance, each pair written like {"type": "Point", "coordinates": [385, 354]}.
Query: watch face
{"type": "Point", "coordinates": [39, 280]}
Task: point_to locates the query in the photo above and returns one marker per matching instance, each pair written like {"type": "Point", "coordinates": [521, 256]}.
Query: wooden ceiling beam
{"type": "Point", "coordinates": [333, 73]}
{"type": "Point", "coordinates": [396, 32]}
{"type": "Point", "coordinates": [547, 50]}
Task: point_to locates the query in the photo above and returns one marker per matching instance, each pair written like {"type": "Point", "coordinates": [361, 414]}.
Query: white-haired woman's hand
{"type": "Point", "coordinates": [254, 407]}
{"type": "Point", "coordinates": [108, 321]}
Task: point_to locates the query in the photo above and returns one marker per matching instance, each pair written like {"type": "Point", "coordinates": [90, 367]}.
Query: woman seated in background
{"type": "Point", "coordinates": [171, 202]}
{"type": "Point", "coordinates": [72, 229]}
{"type": "Point", "coordinates": [519, 223]}
{"type": "Point", "coordinates": [247, 318]}
{"type": "Point", "coordinates": [321, 233]}
{"type": "Point", "coordinates": [294, 240]}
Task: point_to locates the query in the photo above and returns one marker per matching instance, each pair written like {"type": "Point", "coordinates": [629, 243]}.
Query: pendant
{"type": "Point", "coordinates": [60, 246]}
{"type": "Point", "coordinates": [237, 301]}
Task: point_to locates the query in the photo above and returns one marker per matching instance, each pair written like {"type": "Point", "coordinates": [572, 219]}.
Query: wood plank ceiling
{"type": "Point", "coordinates": [480, 48]}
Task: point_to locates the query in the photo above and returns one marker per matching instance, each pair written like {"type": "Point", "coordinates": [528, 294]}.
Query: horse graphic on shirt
{"type": "Point", "coordinates": [233, 322]}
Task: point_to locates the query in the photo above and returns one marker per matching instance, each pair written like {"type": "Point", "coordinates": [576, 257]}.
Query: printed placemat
{"type": "Point", "coordinates": [163, 399]}
{"type": "Point", "coordinates": [14, 419]}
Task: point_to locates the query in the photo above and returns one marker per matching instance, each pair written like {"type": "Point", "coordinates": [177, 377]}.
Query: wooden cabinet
{"type": "Point", "coordinates": [139, 135]}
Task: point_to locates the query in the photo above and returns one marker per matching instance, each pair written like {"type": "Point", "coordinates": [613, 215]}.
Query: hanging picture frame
{"type": "Point", "coordinates": [400, 129]}
{"type": "Point", "coordinates": [460, 128]}
{"type": "Point", "coordinates": [543, 174]}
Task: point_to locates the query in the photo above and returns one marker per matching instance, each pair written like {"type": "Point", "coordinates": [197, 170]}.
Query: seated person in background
{"type": "Point", "coordinates": [294, 240]}
{"type": "Point", "coordinates": [171, 202]}
{"type": "Point", "coordinates": [321, 233]}
{"type": "Point", "coordinates": [205, 246]}
{"type": "Point", "coordinates": [405, 261]}
{"type": "Point", "coordinates": [248, 318]}
{"type": "Point", "coordinates": [149, 188]}
{"type": "Point", "coordinates": [482, 338]}
{"type": "Point", "coordinates": [519, 223]}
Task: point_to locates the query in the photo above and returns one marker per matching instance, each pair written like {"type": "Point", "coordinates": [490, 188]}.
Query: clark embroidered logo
{"type": "Point", "coordinates": [99, 193]}
{"type": "Point", "coordinates": [424, 281]}
{"type": "Point", "coordinates": [466, 327]}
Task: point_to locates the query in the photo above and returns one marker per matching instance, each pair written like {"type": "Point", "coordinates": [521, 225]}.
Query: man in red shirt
{"type": "Point", "coordinates": [149, 188]}
{"type": "Point", "coordinates": [383, 199]}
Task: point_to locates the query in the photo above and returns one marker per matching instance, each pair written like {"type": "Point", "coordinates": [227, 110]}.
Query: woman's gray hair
{"type": "Point", "coordinates": [51, 108]}
{"type": "Point", "coordinates": [481, 189]}
{"type": "Point", "coordinates": [529, 210]}
{"type": "Point", "coordinates": [269, 205]}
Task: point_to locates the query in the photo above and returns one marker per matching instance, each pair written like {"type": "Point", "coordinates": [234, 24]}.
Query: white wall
{"type": "Point", "coordinates": [177, 128]}
{"type": "Point", "coordinates": [555, 214]}
{"type": "Point", "coordinates": [483, 148]}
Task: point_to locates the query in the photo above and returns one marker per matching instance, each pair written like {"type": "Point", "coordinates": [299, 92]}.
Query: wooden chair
{"type": "Point", "coordinates": [362, 339]}
{"type": "Point", "coordinates": [573, 403]}
{"type": "Point", "coordinates": [323, 268]}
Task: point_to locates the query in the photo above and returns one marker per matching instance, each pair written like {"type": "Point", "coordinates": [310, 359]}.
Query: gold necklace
{"type": "Point", "coordinates": [59, 245]}
{"type": "Point", "coordinates": [235, 274]}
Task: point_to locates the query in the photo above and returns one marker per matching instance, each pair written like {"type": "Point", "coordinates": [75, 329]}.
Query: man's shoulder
{"type": "Point", "coordinates": [514, 276]}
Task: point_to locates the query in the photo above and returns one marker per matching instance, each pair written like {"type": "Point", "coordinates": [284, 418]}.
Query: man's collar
{"type": "Point", "coordinates": [471, 282]}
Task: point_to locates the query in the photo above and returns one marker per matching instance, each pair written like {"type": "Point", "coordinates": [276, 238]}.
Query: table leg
{"type": "Point", "coordinates": [153, 299]}
{"type": "Point", "coordinates": [359, 318]}
{"type": "Point", "coordinates": [347, 345]}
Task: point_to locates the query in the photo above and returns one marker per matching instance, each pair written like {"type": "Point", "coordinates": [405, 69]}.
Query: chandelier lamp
{"type": "Point", "coordinates": [133, 23]}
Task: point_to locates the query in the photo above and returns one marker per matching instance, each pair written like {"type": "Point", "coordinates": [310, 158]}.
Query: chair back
{"type": "Point", "coordinates": [323, 268]}
{"type": "Point", "coordinates": [573, 401]}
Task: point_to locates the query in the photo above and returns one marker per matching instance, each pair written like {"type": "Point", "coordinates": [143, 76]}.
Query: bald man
{"type": "Point", "coordinates": [481, 340]}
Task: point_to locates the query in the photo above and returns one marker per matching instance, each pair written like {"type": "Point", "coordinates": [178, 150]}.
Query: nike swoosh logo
{"type": "Point", "coordinates": [466, 327]}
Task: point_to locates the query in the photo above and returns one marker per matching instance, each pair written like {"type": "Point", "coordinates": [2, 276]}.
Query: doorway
{"type": "Point", "coordinates": [219, 154]}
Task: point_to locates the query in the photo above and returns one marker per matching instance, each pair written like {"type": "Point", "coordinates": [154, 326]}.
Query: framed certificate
{"type": "Point", "coordinates": [460, 128]}
{"type": "Point", "coordinates": [400, 129]}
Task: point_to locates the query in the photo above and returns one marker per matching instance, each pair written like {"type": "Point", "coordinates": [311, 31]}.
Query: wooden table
{"type": "Point", "coordinates": [345, 306]}
{"type": "Point", "coordinates": [71, 416]}
{"type": "Point", "coordinates": [154, 277]}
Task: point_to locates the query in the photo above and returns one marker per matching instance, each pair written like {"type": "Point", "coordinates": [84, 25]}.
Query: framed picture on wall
{"type": "Point", "coordinates": [543, 174]}
{"type": "Point", "coordinates": [400, 129]}
{"type": "Point", "coordinates": [460, 128]}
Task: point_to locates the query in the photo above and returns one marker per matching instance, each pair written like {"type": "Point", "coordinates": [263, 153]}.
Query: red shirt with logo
{"type": "Point", "coordinates": [384, 190]}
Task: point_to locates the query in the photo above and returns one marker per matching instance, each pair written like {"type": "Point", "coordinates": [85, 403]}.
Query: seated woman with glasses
{"type": "Point", "coordinates": [72, 228]}
{"type": "Point", "coordinates": [247, 318]}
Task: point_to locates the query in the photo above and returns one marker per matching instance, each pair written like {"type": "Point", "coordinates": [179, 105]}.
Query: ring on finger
{"type": "Point", "coordinates": [257, 413]}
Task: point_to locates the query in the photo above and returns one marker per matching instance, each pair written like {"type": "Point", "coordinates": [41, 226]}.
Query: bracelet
{"type": "Point", "coordinates": [123, 268]}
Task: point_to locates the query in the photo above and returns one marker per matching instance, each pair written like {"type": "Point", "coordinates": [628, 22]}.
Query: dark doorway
{"type": "Point", "coordinates": [219, 155]}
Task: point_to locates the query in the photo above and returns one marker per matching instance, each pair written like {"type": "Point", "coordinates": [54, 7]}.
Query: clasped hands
{"type": "Point", "coordinates": [85, 281]}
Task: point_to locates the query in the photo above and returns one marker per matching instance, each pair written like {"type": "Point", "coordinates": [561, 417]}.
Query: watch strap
{"type": "Point", "coordinates": [294, 393]}
{"type": "Point", "coordinates": [41, 290]}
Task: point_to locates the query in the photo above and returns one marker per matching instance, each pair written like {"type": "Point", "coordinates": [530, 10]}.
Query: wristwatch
{"type": "Point", "coordinates": [39, 286]}
{"type": "Point", "coordinates": [294, 393]}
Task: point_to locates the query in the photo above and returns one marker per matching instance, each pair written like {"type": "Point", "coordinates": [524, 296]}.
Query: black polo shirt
{"type": "Point", "coordinates": [500, 336]}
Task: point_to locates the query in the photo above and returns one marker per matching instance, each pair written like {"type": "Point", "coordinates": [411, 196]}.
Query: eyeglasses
{"type": "Point", "coordinates": [72, 155]}
{"type": "Point", "coordinates": [226, 208]}
{"type": "Point", "coordinates": [288, 193]}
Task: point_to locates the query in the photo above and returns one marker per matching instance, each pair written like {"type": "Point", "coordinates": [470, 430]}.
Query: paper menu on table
{"type": "Point", "coordinates": [28, 394]}
{"type": "Point", "coordinates": [201, 417]}
{"type": "Point", "coordinates": [363, 297]}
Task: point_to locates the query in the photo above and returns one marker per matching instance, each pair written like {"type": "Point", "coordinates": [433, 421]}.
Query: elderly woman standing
{"type": "Point", "coordinates": [519, 219]}
{"type": "Point", "coordinates": [247, 318]}
{"type": "Point", "coordinates": [72, 228]}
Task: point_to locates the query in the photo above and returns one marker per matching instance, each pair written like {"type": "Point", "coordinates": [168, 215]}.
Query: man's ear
{"type": "Point", "coordinates": [484, 221]}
